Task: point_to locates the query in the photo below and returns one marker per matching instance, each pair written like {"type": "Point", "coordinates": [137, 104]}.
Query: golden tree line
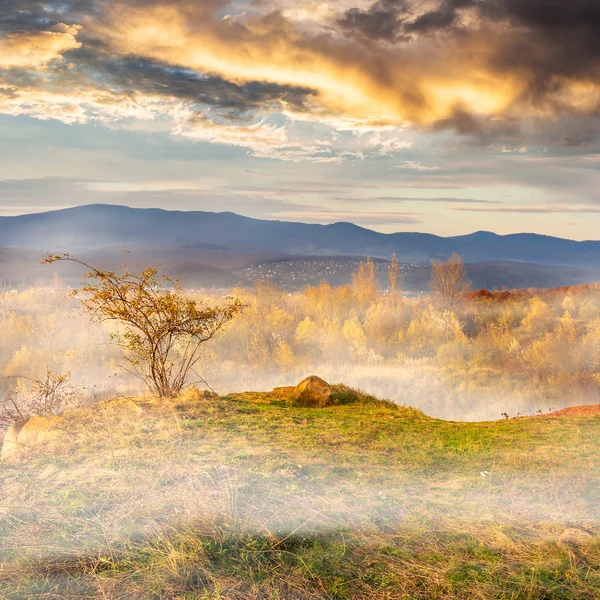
{"type": "Point", "coordinates": [546, 338]}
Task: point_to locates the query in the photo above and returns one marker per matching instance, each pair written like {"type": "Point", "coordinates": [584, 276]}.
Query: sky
{"type": "Point", "coordinates": [444, 116]}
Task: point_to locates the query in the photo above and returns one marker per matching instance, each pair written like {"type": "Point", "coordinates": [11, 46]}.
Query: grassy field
{"type": "Point", "coordinates": [243, 496]}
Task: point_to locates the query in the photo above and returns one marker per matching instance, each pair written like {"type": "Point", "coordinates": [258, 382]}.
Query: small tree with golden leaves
{"type": "Point", "coordinates": [449, 279]}
{"type": "Point", "coordinates": [161, 331]}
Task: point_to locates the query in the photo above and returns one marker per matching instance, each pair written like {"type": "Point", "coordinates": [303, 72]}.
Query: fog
{"type": "Point", "coordinates": [123, 484]}
{"type": "Point", "coordinates": [127, 481]}
{"type": "Point", "coordinates": [482, 360]}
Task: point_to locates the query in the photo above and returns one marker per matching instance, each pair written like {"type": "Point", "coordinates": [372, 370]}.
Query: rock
{"type": "Point", "coordinates": [312, 392]}
{"type": "Point", "coordinates": [10, 446]}
{"type": "Point", "coordinates": [27, 434]}
{"type": "Point", "coordinates": [38, 430]}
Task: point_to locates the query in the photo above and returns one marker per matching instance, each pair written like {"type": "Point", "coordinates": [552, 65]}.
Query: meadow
{"type": "Point", "coordinates": [230, 490]}
{"type": "Point", "coordinates": [244, 496]}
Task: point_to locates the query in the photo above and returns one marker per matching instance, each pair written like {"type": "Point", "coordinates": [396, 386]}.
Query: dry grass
{"type": "Point", "coordinates": [244, 497]}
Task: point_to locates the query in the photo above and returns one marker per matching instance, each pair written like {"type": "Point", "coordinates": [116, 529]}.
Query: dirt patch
{"type": "Point", "coordinates": [590, 410]}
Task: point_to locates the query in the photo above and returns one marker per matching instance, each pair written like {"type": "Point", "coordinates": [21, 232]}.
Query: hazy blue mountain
{"type": "Point", "coordinates": [202, 241]}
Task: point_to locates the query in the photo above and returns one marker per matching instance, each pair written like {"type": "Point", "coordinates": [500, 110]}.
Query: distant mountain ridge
{"type": "Point", "coordinates": [91, 227]}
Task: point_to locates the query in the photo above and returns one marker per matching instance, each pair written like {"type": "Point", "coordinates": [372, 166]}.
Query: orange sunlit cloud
{"type": "Point", "coordinates": [37, 49]}
{"type": "Point", "coordinates": [338, 65]}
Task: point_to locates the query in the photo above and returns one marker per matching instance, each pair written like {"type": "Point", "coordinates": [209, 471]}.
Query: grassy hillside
{"type": "Point", "coordinates": [244, 496]}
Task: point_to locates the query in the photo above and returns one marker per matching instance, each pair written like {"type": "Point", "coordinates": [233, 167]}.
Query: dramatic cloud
{"type": "Point", "coordinates": [445, 16]}
{"type": "Point", "coordinates": [382, 21]}
{"type": "Point", "coordinates": [488, 69]}
{"type": "Point", "coordinates": [36, 49]}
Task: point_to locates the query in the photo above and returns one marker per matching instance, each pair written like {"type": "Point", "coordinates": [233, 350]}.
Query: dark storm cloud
{"type": "Point", "coordinates": [383, 21]}
{"type": "Point", "coordinates": [464, 122]}
{"type": "Point", "coordinates": [553, 36]}
{"type": "Point", "coordinates": [153, 77]}
{"type": "Point", "coordinates": [551, 39]}
{"type": "Point", "coordinates": [546, 15]}
{"type": "Point", "coordinates": [393, 20]}
{"type": "Point", "coordinates": [549, 45]}
{"type": "Point", "coordinates": [444, 17]}
{"type": "Point", "coordinates": [578, 134]}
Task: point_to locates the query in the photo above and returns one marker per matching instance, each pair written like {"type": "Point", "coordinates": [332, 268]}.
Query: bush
{"type": "Point", "coordinates": [46, 397]}
{"type": "Point", "coordinates": [343, 394]}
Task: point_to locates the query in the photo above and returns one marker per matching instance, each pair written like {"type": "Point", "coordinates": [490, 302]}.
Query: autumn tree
{"type": "Point", "coordinates": [449, 279]}
{"type": "Point", "coordinates": [160, 330]}
{"type": "Point", "coordinates": [364, 283]}
{"type": "Point", "coordinates": [394, 274]}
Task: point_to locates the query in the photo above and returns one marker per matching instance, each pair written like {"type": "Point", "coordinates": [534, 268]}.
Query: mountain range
{"type": "Point", "coordinates": [218, 247]}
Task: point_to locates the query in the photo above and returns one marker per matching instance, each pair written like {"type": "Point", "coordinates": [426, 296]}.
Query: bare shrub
{"type": "Point", "coordinates": [49, 396]}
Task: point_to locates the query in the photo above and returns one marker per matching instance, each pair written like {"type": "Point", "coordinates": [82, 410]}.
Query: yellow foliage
{"type": "Point", "coordinates": [278, 319]}
{"type": "Point", "coordinates": [381, 324]}
{"type": "Point", "coordinates": [307, 332]}
{"type": "Point", "coordinates": [569, 304]}
{"type": "Point", "coordinates": [353, 331]}
{"type": "Point", "coordinates": [538, 316]}
{"type": "Point", "coordinates": [364, 283]}
{"type": "Point", "coordinates": [284, 355]}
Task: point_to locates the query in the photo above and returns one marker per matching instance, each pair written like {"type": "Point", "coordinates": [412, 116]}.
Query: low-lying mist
{"type": "Point", "coordinates": [161, 494]}
{"type": "Point", "coordinates": [202, 495]}
{"type": "Point", "coordinates": [483, 358]}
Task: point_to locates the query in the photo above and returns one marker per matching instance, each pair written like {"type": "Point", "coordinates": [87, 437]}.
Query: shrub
{"type": "Point", "coordinates": [49, 396]}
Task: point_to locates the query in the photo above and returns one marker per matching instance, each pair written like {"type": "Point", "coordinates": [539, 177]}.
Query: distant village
{"type": "Point", "coordinates": [298, 273]}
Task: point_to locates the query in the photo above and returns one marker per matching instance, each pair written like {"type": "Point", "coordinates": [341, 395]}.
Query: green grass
{"type": "Point", "coordinates": [244, 496]}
